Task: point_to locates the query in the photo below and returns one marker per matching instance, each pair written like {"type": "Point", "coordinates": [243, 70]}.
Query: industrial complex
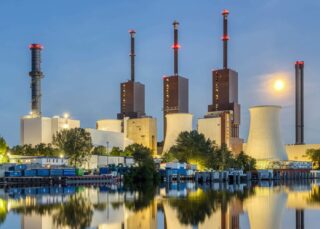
{"type": "Point", "coordinates": [220, 124]}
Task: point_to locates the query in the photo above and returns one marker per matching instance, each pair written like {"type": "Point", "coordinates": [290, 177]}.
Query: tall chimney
{"type": "Point", "coordinates": [225, 38]}
{"type": "Point", "coordinates": [36, 76]}
{"type": "Point", "coordinates": [132, 54]}
{"type": "Point", "coordinates": [175, 46]}
{"type": "Point", "coordinates": [299, 66]}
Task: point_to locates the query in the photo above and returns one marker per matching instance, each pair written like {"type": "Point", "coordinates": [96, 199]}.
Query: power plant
{"type": "Point", "coordinates": [264, 140]}
{"type": "Point", "coordinates": [132, 124]}
{"type": "Point", "coordinates": [36, 76]}
{"type": "Point", "coordinates": [34, 128]}
{"type": "Point", "coordinates": [224, 112]}
{"type": "Point", "coordinates": [220, 124]}
{"type": "Point", "coordinates": [175, 87]}
{"type": "Point", "coordinates": [132, 93]}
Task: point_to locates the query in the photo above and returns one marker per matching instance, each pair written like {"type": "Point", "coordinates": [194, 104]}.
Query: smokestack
{"type": "Point", "coordinates": [175, 46]}
{"type": "Point", "coordinates": [132, 54]}
{"type": "Point", "coordinates": [299, 66]}
{"type": "Point", "coordinates": [225, 38]}
{"type": "Point", "coordinates": [36, 76]}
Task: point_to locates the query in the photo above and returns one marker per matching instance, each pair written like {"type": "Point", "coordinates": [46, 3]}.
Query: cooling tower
{"type": "Point", "coordinates": [264, 140]}
{"type": "Point", "coordinates": [176, 123]}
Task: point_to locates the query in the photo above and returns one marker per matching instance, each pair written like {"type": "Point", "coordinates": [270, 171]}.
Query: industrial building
{"type": "Point", "coordinates": [132, 125]}
{"type": "Point", "coordinates": [225, 107]}
{"type": "Point", "coordinates": [109, 139]}
{"type": "Point", "coordinates": [176, 123]}
{"type": "Point", "coordinates": [34, 128]}
{"type": "Point", "coordinates": [264, 140]}
{"type": "Point", "coordinates": [143, 131]}
{"type": "Point", "coordinates": [216, 127]}
{"type": "Point", "coordinates": [175, 87]}
{"type": "Point", "coordinates": [132, 93]}
{"type": "Point", "coordinates": [114, 125]}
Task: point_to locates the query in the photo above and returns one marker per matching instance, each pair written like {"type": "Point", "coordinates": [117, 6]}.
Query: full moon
{"type": "Point", "coordinates": [278, 85]}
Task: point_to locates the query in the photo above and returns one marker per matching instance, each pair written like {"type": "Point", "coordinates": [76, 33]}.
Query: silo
{"type": "Point", "coordinates": [264, 140]}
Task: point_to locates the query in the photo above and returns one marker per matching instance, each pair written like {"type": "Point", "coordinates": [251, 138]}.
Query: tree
{"type": "Point", "coordinates": [38, 150]}
{"type": "Point", "coordinates": [76, 213]}
{"type": "Point", "coordinates": [116, 151]}
{"type": "Point", "coordinates": [46, 150]}
{"type": "Point", "coordinates": [3, 151]}
{"type": "Point", "coordinates": [99, 150]}
{"type": "Point", "coordinates": [221, 159]}
{"type": "Point", "coordinates": [145, 169]}
{"type": "Point", "coordinates": [76, 144]}
{"type": "Point", "coordinates": [314, 155]}
{"type": "Point", "coordinates": [192, 147]}
{"type": "Point", "coordinates": [245, 162]}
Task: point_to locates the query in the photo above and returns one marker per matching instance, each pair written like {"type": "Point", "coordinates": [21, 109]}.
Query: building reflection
{"type": "Point", "coordinates": [170, 207]}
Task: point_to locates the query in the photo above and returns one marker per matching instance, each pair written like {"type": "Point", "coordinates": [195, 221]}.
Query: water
{"type": "Point", "coordinates": [172, 206]}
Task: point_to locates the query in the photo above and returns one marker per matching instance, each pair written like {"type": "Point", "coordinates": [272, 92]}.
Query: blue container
{"type": "Point", "coordinates": [56, 190]}
{"type": "Point", "coordinates": [29, 173]}
{"type": "Point", "coordinates": [42, 172]}
{"type": "Point", "coordinates": [104, 170]}
{"type": "Point", "coordinates": [69, 190]}
{"type": "Point", "coordinates": [43, 190]}
{"type": "Point", "coordinates": [56, 172]}
{"type": "Point", "coordinates": [30, 191]}
{"type": "Point", "coordinates": [12, 173]}
{"type": "Point", "coordinates": [103, 189]}
{"type": "Point", "coordinates": [18, 167]}
{"type": "Point", "coordinates": [69, 172]}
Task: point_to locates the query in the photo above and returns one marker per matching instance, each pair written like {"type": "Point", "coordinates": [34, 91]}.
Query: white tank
{"type": "Point", "coordinates": [264, 140]}
{"type": "Point", "coordinates": [176, 123]}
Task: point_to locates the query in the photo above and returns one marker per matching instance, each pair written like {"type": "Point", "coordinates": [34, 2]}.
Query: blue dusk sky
{"type": "Point", "coordinates": [86, 47]}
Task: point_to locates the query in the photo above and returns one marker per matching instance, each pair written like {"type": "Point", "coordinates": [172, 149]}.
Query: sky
{"type": "Point", "coordinates": [86, 46]}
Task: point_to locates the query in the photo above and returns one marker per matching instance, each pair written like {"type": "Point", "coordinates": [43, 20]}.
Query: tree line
{"type": "Point", "coordinates": [193, 148]}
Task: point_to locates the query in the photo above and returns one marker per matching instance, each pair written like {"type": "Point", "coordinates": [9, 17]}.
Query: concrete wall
{"type": "Point", "coordinates": [36, 130]}
{"type": "Point", "coordinates": [176, 123]}
{"type": "Point", "coordinates": [109, 125]}
{"type": "Point", "coordinates": [298, 152]}
{"type": "Point", "coordinates": [143, 131]}
{"type": "Point", "coordinates": [211, 128]}
{"type": "Point", "coordinates": [96, 161]}
{"type": "Point", "coordinates": [58, 124]}
{"type": "Point", "coordinates": [264, 140]}
{"type": "Point", "coordinates": [108, 139]}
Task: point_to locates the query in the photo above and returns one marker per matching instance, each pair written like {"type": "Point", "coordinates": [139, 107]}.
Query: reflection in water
{"type": "Point", "coordinates": [170, 206]}
{"type": "Point", "coordinates": [76, 213]}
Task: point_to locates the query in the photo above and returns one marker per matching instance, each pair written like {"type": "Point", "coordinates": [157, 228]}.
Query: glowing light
{"type": "Point", "coordinates": [66, 115]}
{"type": "Point", "coordinates": [279, 85]}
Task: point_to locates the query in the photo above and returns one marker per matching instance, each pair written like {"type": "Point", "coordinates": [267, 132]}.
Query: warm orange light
{"type": "Point", "coordinates": [279, 85]}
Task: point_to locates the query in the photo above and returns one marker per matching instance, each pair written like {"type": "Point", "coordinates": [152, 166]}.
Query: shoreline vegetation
{"type": "Point", "coordinates": [191, 147]}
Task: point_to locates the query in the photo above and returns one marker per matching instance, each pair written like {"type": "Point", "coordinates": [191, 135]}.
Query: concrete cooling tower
{"type": "Point", "coordinates": [176, 123]}
{"type": "Point", "coordinates": [264, 140]}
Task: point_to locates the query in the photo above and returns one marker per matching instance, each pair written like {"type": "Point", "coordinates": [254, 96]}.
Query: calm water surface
{"type": "Point", "coordinates": [172, 206]}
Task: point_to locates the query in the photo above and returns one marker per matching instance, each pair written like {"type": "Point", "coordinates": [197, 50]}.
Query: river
{"type": "Point", "coordinates": [266, 205]}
